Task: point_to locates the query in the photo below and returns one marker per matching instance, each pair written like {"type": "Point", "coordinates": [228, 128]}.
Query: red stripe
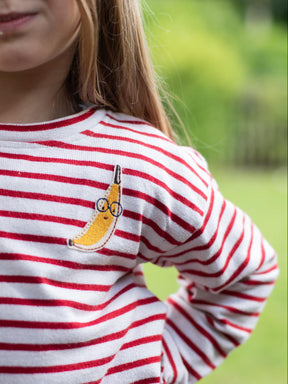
{"type": "Point", "coordinates": [138, 273]}
{"type": "Point", "coordinates": [202, 162]}
{"type": "Point", "coordinates": [191, 370]}
{"type": "Point", "coordinates": [149, 319]}
{"type": "Point", "coordinates": [226, 307]}
{"type": "Point", "coordinates": [267, 270]}
{"type": "Point", "coordinates": [110, 168]}
{"type": "Point", "coordinates": [258, 283]}
{"type": "Point", "coordinates": [149, 246]}
{"type": "Point", "coordinates": [244, 296]}
{"type": "Point", "coordinates": [241, 268]}
{"type": "Point", "coordinates": [142, 341]}
{"type": "Point", "coordinates": [169, 154]}
{"type": "Point", "coordinates": [163, 185]}
{"type": "Point", "coordinates": [133, 365]}
{"type": "Point", "coordinates": [227, 322]}
{"type": "Point", "coordinates": [54, 283]}
{"type": "Point", "coordinates": [200, 329]}
{"type": "Point", "coordinates": [63, 347]}
{"type": "Point", "coordinates": [47, 218]}
{"type": "Point", "coordinates": [34, 238]}
{"type": "Point", "coordinates": [78, 223]}
{"type": "Point", "coordinates": [59, 241]}
{"type": "Point", "coordinates": [228, 258]}
{"type": "Point", "coordinates": [137, 122]}
{"type": "Point", "coordinates": [63, 303]}
{"type": "Point", "coordinates": [150, 380]}
{"type": "Point", "coordinates": [77, 325]}
{"type": "Point", "coordinates": [226, 335]}
{"type": "Point", "coordinates": [210, 243]}
{"type": "Point", "coordinates": [45, 160]}
{"type": "Point", "coordinates": [114, 253]}
{"type": "Point", "coordinates": [193, 346]}
{"type": "Point", "coordinates": [45, 197]}
{"type": "Point", "coordinates": [226, 234]}
{"type": "Point", "coordinates": [231, 339]}
{"type": "Point", "coordinates": [129, 192]}
{"type": "Point", "coordinates": [56, 368]}
{"type": "Point", "coordinates": [127, 235]}
{"type": "Point", "coordinates": [131, 214]}
{"type": "Point", "coordinates": [64, 263]}
{"type": "Point", "coordinates": [126, 171]}
{"type": "Point", "coordinates": [152, 224]}
{"type": "Point", "coordinates": [197, 154]}
{"type": "Point", "coordinates": [46, 126]}
{"type": "Point", "coordinates": [262, 253]}
{"type": "Point", "coordinates": [214, 236]}
{"type": "Point", "coordinates": [84, 344]}
{"type": "Point", "coordinates": [196, 235]}
{"type": "Point", "coordinates": [123, 154]}
{"type": "Point", "coordinates": [162, 207]}
{"type": "Point", "coordinates": [171, 361]}
{"type": "Point", "coordinates": [207, 217]}
{"type": "Point", "coordinates": [56, 178]}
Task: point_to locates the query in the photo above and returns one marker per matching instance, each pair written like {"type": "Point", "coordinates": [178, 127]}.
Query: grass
{"type": "Point", "coordinates": [263, 359]}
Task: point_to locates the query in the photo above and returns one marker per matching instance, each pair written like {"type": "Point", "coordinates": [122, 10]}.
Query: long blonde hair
{"type": "Point", "coordinates": [112, 67]}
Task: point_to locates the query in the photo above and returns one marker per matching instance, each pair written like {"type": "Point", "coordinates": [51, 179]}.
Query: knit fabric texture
{"type": "Point", "coordinates": [84, 201]}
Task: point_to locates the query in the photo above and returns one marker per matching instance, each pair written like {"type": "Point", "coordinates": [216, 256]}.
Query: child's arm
{"type": "Point", "coordinates": [227, 271]}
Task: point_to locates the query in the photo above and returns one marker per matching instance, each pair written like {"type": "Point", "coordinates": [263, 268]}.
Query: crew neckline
{"type": "Point", "coordinates": [51, 130]}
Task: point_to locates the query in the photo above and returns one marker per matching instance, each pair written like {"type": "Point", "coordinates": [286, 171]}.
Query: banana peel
{"type": "Point", "coordinates": [101, 226]}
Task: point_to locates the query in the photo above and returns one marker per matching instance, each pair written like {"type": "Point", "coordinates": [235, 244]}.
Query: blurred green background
{"type": "Point", "coordinates": [226, 61]}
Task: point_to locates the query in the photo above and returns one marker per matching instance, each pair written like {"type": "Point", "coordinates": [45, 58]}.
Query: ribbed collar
{"type": "Point", "coordinates": [54, 129]}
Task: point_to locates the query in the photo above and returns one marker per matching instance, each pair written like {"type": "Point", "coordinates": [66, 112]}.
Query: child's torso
{"type": "Point", "coordinates": [68, 312]}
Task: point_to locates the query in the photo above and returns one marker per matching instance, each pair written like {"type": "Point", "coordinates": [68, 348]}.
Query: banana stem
{"type": "Point", "coordinates": [117, 175]}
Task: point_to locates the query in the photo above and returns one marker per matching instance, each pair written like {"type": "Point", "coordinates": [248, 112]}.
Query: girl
{"type": "Point", "coordinates": [92, 186]}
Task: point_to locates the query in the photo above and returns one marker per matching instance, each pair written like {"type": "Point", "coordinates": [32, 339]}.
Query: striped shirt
{"type": "Point", "coordinates": [84, 201]}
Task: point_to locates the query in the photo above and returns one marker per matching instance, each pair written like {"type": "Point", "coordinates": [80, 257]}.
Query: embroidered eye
{"type": "Point", "coordinates": [102, 205]}
{"type": "Point", "coordinates": [116, 209]}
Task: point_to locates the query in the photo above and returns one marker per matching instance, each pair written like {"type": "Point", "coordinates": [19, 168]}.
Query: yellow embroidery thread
{"type": "Point", "coordinates": [102, 224]}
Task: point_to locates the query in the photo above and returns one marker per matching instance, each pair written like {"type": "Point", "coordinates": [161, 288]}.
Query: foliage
{"type": "Point", "coordinates": [278, 8]}
{"type": "Point", "coordinates": [218, 64]}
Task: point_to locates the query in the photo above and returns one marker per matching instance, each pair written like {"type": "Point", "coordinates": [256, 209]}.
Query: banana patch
{"type": "Point", "coordinates": [102, 224]}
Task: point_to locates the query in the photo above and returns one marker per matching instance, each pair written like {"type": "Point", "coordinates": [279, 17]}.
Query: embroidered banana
{"type": "Point", "coordinates": [102, 224]}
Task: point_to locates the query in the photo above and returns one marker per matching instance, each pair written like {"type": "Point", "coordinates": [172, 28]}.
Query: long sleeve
{"type": "Point", "coordinates": [226, 271]}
